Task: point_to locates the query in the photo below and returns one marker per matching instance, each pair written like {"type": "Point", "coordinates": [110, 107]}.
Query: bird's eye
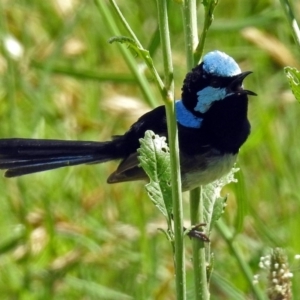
{"type": "Point", "coordinates": [215, 83]}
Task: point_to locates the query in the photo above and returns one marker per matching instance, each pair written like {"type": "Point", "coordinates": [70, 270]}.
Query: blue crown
{"type": "Point", "coordinates": [220, 64]}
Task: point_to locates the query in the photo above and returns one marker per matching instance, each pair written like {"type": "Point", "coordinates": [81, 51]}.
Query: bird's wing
{"type": "Point", "coordinates": [128, 169]}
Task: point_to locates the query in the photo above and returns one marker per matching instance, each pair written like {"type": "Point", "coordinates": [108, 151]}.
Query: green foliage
{"type": "Point", "coordinates": [214, 203]}
{"type": "Point", "coordinates": [45, 93]}
{"type": "Point", "coordinates": [130, 43]}
{"type": "Point", "coordinates": [154, 157]}
{"type": "Point", "coordinates": [134, 46]}
{"type": "Point", "coordinates": [293, 76]}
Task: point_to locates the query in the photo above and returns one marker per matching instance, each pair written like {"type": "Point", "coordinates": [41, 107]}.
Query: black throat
{"type": "Point", "coordinates": [226, 124]}
{"type": "Point", "coordinates": [225, 127]}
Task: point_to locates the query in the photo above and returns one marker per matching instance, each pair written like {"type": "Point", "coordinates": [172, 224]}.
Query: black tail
{"type": "Point", "coordinates": [26, 156]}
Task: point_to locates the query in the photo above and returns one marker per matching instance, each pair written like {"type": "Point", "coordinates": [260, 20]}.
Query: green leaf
{"type": "Point", "coordinates": [154, 157]}
{"type": "Point", "coordinates": [124, 40]}
{"type": "Point", "coordinates": [133, 45]}
{"type": "Point", "coordinates": [293, 76]}
{"type": "Point", "coordinates": [144, 55]}
{"type": "Point", "coordinates": [214, 203]}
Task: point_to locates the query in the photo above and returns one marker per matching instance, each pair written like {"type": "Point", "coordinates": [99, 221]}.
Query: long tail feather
{"type": "Point", "coordinates": [26, 156]}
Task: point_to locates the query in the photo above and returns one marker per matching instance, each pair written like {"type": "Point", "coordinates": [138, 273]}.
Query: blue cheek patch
{"type": "Point", "coordinates": [209, 95]}
{"type": "Point", "coordinates": [185, 117]}
{"type": "Point", "coordinates": [220, 64]}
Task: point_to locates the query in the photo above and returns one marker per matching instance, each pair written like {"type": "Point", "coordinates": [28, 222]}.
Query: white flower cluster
{"type": "Point", "coordinates": [280, 280]}
{"type": "Point", "coordinates": [265, 262]}
{"type": "Point", "coordinates": [279, 275]}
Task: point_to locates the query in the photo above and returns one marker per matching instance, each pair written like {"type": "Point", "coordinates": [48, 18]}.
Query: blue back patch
{"type": "Point", "coordinates": [185, 117]}
{"type": "Point", "coordinates": [220, 64]}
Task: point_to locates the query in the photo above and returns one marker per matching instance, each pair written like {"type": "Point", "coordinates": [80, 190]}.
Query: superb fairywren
{"type": "Point", "coordinates": [212, 126]}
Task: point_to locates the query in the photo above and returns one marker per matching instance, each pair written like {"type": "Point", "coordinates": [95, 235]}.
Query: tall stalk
{"type": "Point", "coordinates": [174, 150]}
{"type": "Point", "coordinates": [194, 51]}
{"type": "Point", "coordinates": [196, 205]}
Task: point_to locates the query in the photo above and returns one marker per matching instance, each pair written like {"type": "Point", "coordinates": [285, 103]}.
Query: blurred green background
{"type": "Point", "coordinates": [66, 234]}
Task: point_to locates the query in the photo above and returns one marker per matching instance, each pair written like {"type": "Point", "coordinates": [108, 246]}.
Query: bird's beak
{"type": "Point", "coordinates": [236, 85]}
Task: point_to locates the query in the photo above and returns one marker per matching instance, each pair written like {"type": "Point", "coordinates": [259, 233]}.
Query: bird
{"type": "Point", "coordinates": [212, 126]}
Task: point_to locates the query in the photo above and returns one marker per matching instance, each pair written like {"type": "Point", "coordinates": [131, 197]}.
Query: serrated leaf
{"type": "Point", "coordinates": [214, 203]}
{"type": "Point", "coordinates": [293, 76]}
{"type": "Point", "coordinates": [154, 157]}
{"type": "Point", "coordinates": [218, 210]}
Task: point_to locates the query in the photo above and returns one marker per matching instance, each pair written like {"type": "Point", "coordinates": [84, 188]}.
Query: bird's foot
{"type": "Point", "coordinates": [196, 232]}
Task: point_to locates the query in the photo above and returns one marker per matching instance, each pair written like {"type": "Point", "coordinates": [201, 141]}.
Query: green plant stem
{"type": "Point", "coordinates": [143, 53]}
{"type": "Point", "coordinates": [228, 237]}
{"type": "Point", "coordinates": [291, 20]}
{"type": "Point", "coordinates": [128, 57]}
{"type": "Point", "coordinates": [189, 12]}
{"type": "Point", "coordinates": [125, 23]}
{"type": "Point", "coordinates": [199, 260]}
{"type": "Point", "coordinates": [196, 204]}
{"type": "Point", "coordinates": [174, 152]}
{"type": "Point", "coordinates": [209, 7]}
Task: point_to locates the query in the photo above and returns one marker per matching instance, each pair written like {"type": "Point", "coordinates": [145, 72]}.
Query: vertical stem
{"type": "Point", "coordinates": [190, 31]}
{"type": "Point", "coordinates": [199, 259]}
{"type": "Point", "coordinates": [174, 146]}
{"type": "Point", "coordinates": [196, 203]}
{"type": "Point", "coordinates": [209, 7]}
{"type": "Point", "coordinates": [177, 204]}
